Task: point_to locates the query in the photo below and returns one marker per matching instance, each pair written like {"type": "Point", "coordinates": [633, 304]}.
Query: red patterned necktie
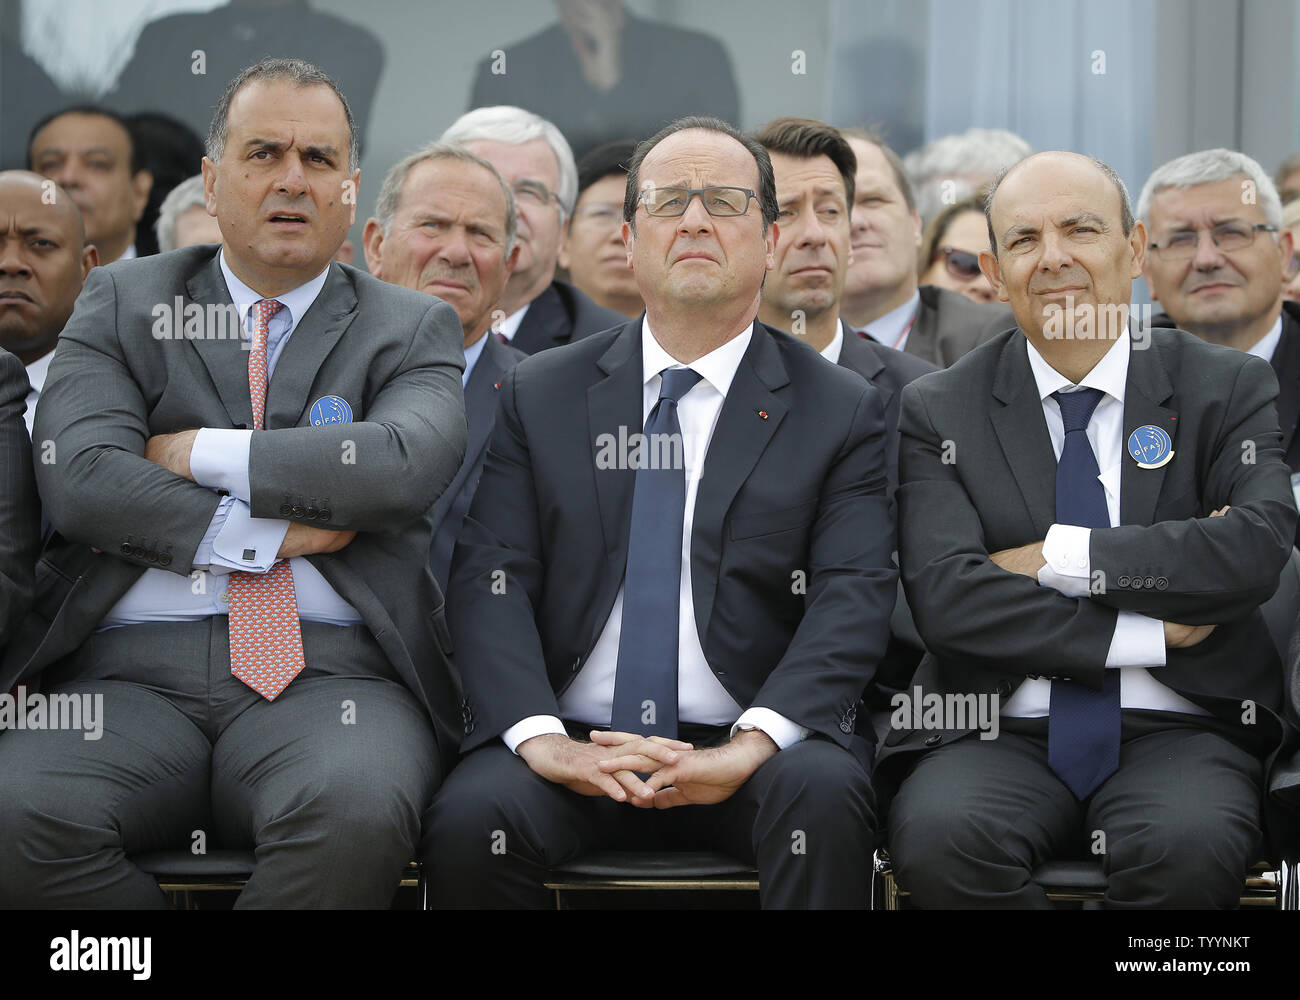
{"type": "Point", "coordinates": [265, 637]}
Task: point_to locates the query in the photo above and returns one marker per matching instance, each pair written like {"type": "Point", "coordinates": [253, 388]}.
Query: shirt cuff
{"type": "Point", "coordinates": [247, 543]}
{"type": "Point", "coordinates": [782, 731]}
{"type": "Point", "coordinates": [1138, 641]}
{"type": "Point", "coordinates": [203, 554]}
{"type": "Point", "coordinates": [1068, 564]}
{"type": "Point", "coordinates": [534, 725]}
{"type": "Point", "coordinates": [219, 461]}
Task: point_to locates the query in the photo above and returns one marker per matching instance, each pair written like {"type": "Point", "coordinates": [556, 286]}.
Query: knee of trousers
{"type": "Point", "coordinates": [944, 858]}
{"type": "Point", "coordinates": [375, 809]}
{"type": "Point", "coordinates": [467, 826]}
{"type": "Point", "coordinates": [1195, 866]}
{"type": "Point", "coordinates": [819, 787]}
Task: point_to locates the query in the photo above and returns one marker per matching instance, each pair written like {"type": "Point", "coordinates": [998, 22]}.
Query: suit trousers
{"type": "Point", "coordinates": [327, 783]}
{"type": "Point", "coordinates": [805, 819]}
{"type": "Point", "coordinates": [1176, 826]}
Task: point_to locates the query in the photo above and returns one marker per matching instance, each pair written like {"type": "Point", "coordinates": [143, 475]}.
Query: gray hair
{"type": "Point", "coordinates": [976, 151]}
{"type": "Point", "coordinates": [1125, 205]}
{"type": "Point", "coordinates": [506, 123]}
{"type": "Point", "coordinates": [390, 193]}
{"type": "Point", "coordinates": [184, 196]}
{"type": "Point", "coordinates": [1206, 167]}
{"type": "Point", "coordinates": [300, 73]}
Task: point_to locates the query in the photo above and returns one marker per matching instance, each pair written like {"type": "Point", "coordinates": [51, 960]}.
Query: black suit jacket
{"type": "Point", "coordinates": [948, 325]}
{"type": "Point", "coordinates": [988, 629]}
{"type": "Point", "coordinates": [481, 392]}
{"type": "Point", "coordinates": [888, 370]}
{"type": "Point", "coordinates": [20, 511]}
{"type": "Point", "coordinates": [561, 315]}
{"type": "Point", "coordinates": [792, 499]}
{"type": "Point", "coordinates": [1286, 366]}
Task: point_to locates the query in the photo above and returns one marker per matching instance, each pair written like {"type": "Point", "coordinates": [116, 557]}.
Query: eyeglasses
{"type": "Point", "coordinates": [1228, 236]}
{"type": "Point", "coordinates": [962, 265]}
{"type": "Point", "coordinates": [670, 202]}
{"type": "Point", "coordinates": [535, 192]}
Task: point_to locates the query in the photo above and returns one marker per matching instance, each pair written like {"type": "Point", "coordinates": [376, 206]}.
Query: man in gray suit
{"type": "Point", "coordinates": [239, 569]}
{"type": "Point", "coordinates": [444, 224]}
{"type": "Point", "coordinates": [881, 295]}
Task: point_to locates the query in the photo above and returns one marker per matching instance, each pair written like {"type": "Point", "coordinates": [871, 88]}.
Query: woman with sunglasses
{"type": "Point", "coordinates": [950, 250]}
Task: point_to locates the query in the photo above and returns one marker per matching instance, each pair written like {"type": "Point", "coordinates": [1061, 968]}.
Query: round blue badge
{"type": "Point", "coordinates": [1150, 446]}
{"type": "Point", "coordinates": [330, 410]}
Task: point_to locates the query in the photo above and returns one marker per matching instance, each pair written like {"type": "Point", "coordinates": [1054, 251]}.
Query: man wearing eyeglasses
{"type": "Point", "coordinates": [1217, 261]}
{"type": "Point", "coordinates": [664, 641]}
{"type": "Point", "coordinates": [536, 310]}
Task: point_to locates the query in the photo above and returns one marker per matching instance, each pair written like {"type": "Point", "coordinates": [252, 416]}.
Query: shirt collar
{"type": "Point", "coordinates": [1265, 347]}
{"type": "Point", "coordinates": [718, 367]}
{"type": "Point", "coordinates": [38, 370]}
{"type": "Point", "coordinates": [889, 327]}
{"type": "Point", "coordinates": [130, 253]}
{"type": "Point", "coordinates": [297, 301]}
{"type": "Point", "coordinates": [831, 352]}
{"type": "Point", "coordinates": [1110, 374]}
{"type": "Point", "coordinates": [472, 354]}
{"type": "Point", "coordinates": [510, 325]}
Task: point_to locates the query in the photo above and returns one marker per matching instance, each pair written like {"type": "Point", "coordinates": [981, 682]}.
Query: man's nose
{"type": "Point", "coordinates": [1056, 254]}
{"type": "Point", "coordinates": [696, 218]}
{"type": "Point", "coordinates": [292, 181]}
{"type": "Point", "coordinates": [1208, 255]}
{"type": "Point", "coordinates": [12, 261]}
{"type": "Point", "coordinates": [454, 249]}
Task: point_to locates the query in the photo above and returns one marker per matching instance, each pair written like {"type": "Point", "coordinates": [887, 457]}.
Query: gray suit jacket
{"type": "Point", "coordinates": [949, 325]}
{"type": "Point", "coordinates": [393, 354]}
{"type": "Point", "coordinates": [20, 512]}
{"type": "Point", "coordinates": [481, 395]}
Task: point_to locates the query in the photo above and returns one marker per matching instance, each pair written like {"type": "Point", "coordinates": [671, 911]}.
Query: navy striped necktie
{"type": "Point", "coordinates": [1083, 732]}
{"type": "Point", "coordinates": [645, 683]}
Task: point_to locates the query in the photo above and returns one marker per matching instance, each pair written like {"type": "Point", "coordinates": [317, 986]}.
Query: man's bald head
{"type": "Point", "coordinates": [44, 260]}
{"type": "Point", "coordinates": [1067, 160]}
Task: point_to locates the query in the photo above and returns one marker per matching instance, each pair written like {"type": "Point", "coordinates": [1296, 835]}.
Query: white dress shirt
{"type": "Point", "coordinates": [1138, 642]}
{"type": "Point", "coordinates": [510, 325]}
{"type": "Point", "coordinates": [219, 461]}
{"type": "Point", "coordinates": [701, 698]}
{"type": "Point", "coordinates": [472, 354]}
{"type": "Point", "coordinates": [1267, 344]}
{"type": "Point", "coordinates": [37, 372]}
{"type": "Point", "coordinates": [893, 328]}
{"type": "Point", "coordinates": [831, 352]}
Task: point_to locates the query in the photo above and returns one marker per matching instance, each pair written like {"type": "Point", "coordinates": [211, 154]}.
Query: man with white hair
{"type": "Point", "coordinates": [1217, 263]}
{"type": "Point", "coordinates": [535, 160]}
{"type": "Point", "coordinates": [183, 219]}
{"type": "Point", "coordinates": [953, 167]}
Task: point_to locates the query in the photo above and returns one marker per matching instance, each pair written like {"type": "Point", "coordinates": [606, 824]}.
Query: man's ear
{"type": "Point", "coordinates": [372, 240]}
{"type": "Point", "coordinates": [1137, 240]}
{"type": "Point", "coordinates": [993, 274]}
{"type": "Point", "coordinates": [1286, 248]}
{"type": "Point", "coordinates": [89, 259]}
{"type": "Point", "coordinates": [141, 185]}
{"type": "Point", "coordinates": [209, 171]}
{"type": "Point", "coordinates": [629, 240]}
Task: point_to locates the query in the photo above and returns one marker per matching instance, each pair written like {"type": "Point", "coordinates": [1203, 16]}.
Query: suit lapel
{"type": "Point", "coordinates": [921, 338]}
{"type": "Point", "coordinates": [739, 438]}
{"type": "Point", "coordinates": [1286, 364]}
{"type": "Point", "coordinates": [314, 336]}
{"type": "Point", "coordinates": [225, 359]}
{"type": "Point", "coordinates": [856, 355]}
{"type": "Point", "coordinates": [480, 413]}
{"type": "Point", "coordinates": [544, 324]}
{"type": "Point", "coordinates": [614, 408]}
{"type": "Point", "coordinates": [1147, 387]}
{"type": "Point", "coordinates": [1022, 433]}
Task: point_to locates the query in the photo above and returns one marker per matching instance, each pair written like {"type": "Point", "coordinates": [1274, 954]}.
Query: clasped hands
{"type": "Point", "coordinates": [172, 452]}
{"type": "Point", "coordinates": [1027, 560]}
{"type": "Point", "coordinates": [677, 773]}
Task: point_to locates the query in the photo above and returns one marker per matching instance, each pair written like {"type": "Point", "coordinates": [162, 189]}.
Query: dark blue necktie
{"type": "Point", "coordinates": [645, 685]}
{"type": "Point", "coordinates": [1084, 725]}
